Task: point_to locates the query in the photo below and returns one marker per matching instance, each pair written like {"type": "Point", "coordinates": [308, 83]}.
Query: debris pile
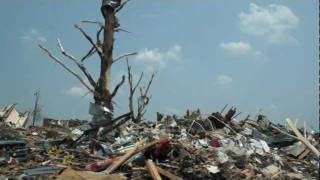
{"type": "Point", "coordinates": [172, 147]}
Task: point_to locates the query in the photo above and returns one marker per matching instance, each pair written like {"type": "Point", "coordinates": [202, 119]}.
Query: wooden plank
{"type": "Point", "coordinates": [123, 158]}
{"type": "Point", "coordinates": [168, 174]}
{"type": "Point", "coordinates": [307, 151]}
{"type": "Point", "coordinates": [152, 168]}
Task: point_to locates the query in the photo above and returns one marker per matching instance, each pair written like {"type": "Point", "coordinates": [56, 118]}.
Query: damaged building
{"type": "Point", "coordinates": [10, 115]}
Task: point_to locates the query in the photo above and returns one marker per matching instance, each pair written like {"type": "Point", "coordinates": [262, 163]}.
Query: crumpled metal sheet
{"type": "Point", "coordinates": [111, 3]}
{"type": "Point", "coordinates": [96, 109]}
{"type": "Point", "coordinates": [101, 114]}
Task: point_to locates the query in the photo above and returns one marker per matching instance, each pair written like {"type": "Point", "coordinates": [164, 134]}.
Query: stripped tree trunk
{"type": "Point", "coordinates": [103, 85]}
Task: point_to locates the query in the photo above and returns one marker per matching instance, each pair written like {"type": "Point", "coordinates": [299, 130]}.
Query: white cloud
{"type": "Point", "coordinates": [224, 80]}
{"type": "Point", "coordinates": [240, 48]}
{"type": "Point", "coordinates": [155, 57]}
{"type": "Point", "coordinates": [33, 35]}
{"type": "Point", "coordinates": [274, 23]}
{"type": "Point", "coordinates": [76, 91]}
{"type": "Point", "coordinates": [237, 48]}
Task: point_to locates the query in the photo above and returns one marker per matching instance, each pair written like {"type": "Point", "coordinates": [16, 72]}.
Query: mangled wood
{"type": "Point", "coordinates": [126, 156]}
{"type": "Point", "coordinates": [140, 146]}
{"type": "Point", "coordinates": [121, 160]}
{"type": "Point", "coordinates": [301, 137]}
{"type": "Point", "coordinates": [152, 168]}
{"type": "Point", "coordinates": [307, 151]}
{"type": "Point", "coordinates": [87, 175]}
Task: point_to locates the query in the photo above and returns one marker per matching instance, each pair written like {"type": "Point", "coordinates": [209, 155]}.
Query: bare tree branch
{"type": "Point", "coordinates": [131, 92]}
{"type": "Point", "coordinates": [68, 69]}
{"type": "Point", "coordinates": [124, 56]}
{"type": "Point", "coordinates": [98, 37]}
{"type": "Point", "coordinates": [99, 31]}
{"type": "Point", "coordinates": [90, 40]}
{"type": "Point", "coordinates": [142, 100]}
{"type": "Point", "coordinates": [90, 53]}
{"type": "Point", "coordinates": [149, 84]}
{"type": "Point", "coordinates": [121, 6]}
{"type": "Point", "coordinates": [78, 63]}
{"type": "Point", "coordinates": [140, 78]}
{"type": "Point", "coordinates": [93, 22]}
{"type": "Point", "coordinates": [118, 86]}
{"type": "Point", "coordinates": [121, 29]}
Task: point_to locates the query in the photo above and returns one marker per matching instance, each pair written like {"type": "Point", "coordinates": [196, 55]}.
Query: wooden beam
{"type": "Point", "coordinates": [307, 151]}
{"type": "Point", "coordinates": [121, 160]}
{"type": "Point", "coordinates": [168, 174]}
{"type": "Point", "coordinates": [152, 168]}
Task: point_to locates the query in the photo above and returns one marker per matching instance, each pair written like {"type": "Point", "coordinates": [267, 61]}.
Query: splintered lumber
{"type": "Point", "coordinates": [140, 146]}
{"type": "Point", "coordinates": [307, 151]}
{"type": "Point", "coordinates": [302, 138]}
{"type": "Point", "coordinates": [168, 174]}
{"type": "Point", "coordinates": [87, 175]}
{"type": "Point", "coordinates": [152, 168]}
{"type": "Point", "coordinates": [122, 159]}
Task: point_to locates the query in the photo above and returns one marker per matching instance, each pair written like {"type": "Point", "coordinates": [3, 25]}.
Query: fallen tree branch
{"type": "Point", "coordinates": [68, 69]}
{"type": "Point", "coordinates": [123, 56]}
{"type": "Point", "coordinates": [78, 63]}
{"type": "Point", "coordinates": [117, 87]}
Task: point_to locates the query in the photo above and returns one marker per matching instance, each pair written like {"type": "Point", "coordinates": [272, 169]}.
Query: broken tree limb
{"type": "Point", "coordinates": [123, 56]}
{"type": "Point", "coordinates": [152, 168]}
{"type": "Point", "coordinates": [68, 69]}
{"type": "Point", "coordinates": [77, 62]}
{"type": "Point", "coordinates": [90, 40]}
{"type": "Point", "coordinates": [118, 86]}
{"type": "Point", "coordinates": [301, 138]}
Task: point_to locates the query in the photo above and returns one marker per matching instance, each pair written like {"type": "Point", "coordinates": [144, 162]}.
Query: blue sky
{"type": "Point", "coordinates": [249, 54]}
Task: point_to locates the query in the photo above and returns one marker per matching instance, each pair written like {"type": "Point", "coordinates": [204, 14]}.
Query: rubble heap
{"type": "Point", "coordinates": [172, 147]}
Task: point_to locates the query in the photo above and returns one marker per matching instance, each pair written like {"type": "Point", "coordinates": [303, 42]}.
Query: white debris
{"type": "Point", "coordinates": [213, 169]}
